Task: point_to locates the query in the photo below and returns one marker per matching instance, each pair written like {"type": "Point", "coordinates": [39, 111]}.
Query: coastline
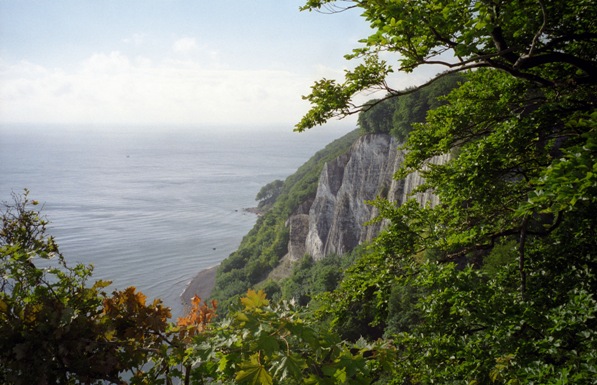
{"type": "Point", "coordinates": [201, 285]}
{"type": "Point", "coordinates": [254, 210]}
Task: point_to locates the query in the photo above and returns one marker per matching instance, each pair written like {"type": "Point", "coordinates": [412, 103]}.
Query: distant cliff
{"type": "Point", "coordinates": [335, 221]}
{"type": "Point", "coordinates": [321, 210]}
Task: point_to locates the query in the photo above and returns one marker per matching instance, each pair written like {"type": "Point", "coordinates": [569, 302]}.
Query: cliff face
{"type": "Point", "coordinates": [335, 222]}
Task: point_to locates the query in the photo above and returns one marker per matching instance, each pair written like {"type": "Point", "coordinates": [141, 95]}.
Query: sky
{"type": "Point", "coordinates": [174, 62]}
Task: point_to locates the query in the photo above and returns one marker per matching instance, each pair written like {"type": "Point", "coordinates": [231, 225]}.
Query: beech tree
{"type": "Point", "coordinates": [549, 43]}
{"type": "Point", "coordinates": [496, 284]}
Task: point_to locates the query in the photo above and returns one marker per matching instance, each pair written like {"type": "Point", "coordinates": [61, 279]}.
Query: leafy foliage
{"type": "Point", "coordinates": [310, 278]}
{"type": "Point", "coordinates": [261, 343]}
{"type": "Point", "coordinates": [480, 288]}
{"type": "Point", "coordinates": [53, 327]}
{"type": "Point", "coordinates": [495, 285]}
{"type": "Point", "coordinates": [547, 43]}
{"type": "Point", "coordinates": [197, 318]}
{"type": "Point", "coordinates": [395, 116]}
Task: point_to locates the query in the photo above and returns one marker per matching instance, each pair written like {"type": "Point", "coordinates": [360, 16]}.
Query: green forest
{"type": "Point", "coordinates": [495, 285]}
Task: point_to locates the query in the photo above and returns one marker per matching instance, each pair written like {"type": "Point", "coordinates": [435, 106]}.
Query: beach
{"type": "Point", "coordinates": [201, 285]}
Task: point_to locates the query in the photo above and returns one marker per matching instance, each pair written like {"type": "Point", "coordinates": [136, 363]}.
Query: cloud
{"type": "Point", "coordinates": [135, 39]}
{"type": "Point", "coordinates": [114, 88]}
{"type": "Point", "coordinates": [119, 88]}
{"type": "Point", "coordinates": [185, 45]}
{"type": "Point", "coordinates": [113, 62]}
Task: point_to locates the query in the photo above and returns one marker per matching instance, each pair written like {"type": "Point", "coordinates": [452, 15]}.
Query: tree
{"type": "Point", "coordinates": [549, 43]}
{"type": "Point", "coordinates": [377, 119]}
{"type": "Point", "coordinates": [269, 193]}
{"type": "Point", "coordinates": [520, 188]}
{"type": "Point", "coordinates": [527, 109]}
{"type": "Point", "coordinates": [54, 328]}
{"type": "Point", "coordinates": [396, 116]}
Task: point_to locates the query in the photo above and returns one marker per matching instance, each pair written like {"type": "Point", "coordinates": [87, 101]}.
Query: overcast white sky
{"type": "Point", "coordinates": [187, 62]}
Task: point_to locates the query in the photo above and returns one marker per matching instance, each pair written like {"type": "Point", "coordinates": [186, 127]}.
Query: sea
{"type": "Point", "coordinates": [150, 207]}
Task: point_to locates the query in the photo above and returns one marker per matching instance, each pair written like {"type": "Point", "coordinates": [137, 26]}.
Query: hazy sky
{"type": "Point", "coordinates": [190, 62]}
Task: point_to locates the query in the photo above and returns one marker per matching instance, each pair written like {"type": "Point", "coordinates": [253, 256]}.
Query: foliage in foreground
{"type": "Point", "coordinates": [443, 323]}
{"type": "Point", "coordinates": [261, 343]}
{"type": "Point", "coordinates": [496, 284]}
{"type": "Point", "coordinates": [54, 328]}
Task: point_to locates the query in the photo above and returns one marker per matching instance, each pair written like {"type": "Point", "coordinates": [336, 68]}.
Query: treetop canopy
{"type": "Point", "coordinates": [551, 43]}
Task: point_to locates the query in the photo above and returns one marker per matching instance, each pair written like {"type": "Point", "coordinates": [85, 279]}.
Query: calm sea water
{"type": "Point", "coordinates": [150, 207]}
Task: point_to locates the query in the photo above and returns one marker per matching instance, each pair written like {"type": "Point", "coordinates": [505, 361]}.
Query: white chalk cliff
{"type": "Point", "coordinates": [335, 222]}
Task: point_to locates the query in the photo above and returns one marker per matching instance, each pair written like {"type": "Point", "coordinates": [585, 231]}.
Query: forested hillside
{"type": "Point", "coordinates": [495, 284]}
{"type": "Point", "coordinates": [263, 247]}
{"type": "Point", "coordinates": [396, 116]}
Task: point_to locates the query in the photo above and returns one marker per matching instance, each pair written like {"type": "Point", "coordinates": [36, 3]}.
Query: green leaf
{"type": "Point", "coordinates": [340, 375]}
{"type": "Point", "coordinates": [254, 373]}
{"type": "Point", "coordinates": [222, 364]}
{"type": "Point", "coordinates": [268, 344]}
{"type": "Point", "coordinates": [289, 367]}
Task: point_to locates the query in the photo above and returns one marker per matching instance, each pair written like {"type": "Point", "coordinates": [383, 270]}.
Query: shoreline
{"type": "Point", "coordinates": [201, 285]}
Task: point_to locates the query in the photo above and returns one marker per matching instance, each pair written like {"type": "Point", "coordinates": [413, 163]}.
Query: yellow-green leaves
{"type": "Point", "coordinates": [253, 373]}
{"type": "Point", "coordinates": [254, 300]}
{"type": "Point", "coordinates": [263, 344]}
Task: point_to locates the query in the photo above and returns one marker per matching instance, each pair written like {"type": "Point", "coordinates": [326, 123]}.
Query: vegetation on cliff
{"type": "Point", "coordinates": [396, 116]}
{"type": "Point", "coordinates": [263, 247]}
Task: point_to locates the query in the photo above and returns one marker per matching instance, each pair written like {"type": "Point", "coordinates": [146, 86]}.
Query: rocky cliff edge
{"type": "Point", "coordinates": [335, 222]}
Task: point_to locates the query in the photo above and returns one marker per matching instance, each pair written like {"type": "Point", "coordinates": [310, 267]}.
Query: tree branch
{"type": "Point", "coordinates": [525, 62]}
{"type": "Point", "coordinates": [540, 31]}
{"type": "Point", "coordinates": [521, 257]}
{"type": "Point", "coordinates": [570, 37]}
{"type": "Point", "coordinates": [329, 9]}
{"type": "Point", "coordinates": [502, 46]}
{"type": "Point", "coordinates": [519, 74]}
{"type": "Point", "coordinates": [392, 93]}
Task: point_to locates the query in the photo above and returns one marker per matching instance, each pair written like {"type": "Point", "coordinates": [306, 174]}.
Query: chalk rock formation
{"type": "Point", "coordinates": [336, 220]}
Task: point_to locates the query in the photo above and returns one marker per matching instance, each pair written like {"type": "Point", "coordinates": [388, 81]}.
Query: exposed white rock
{"type": "Point", "coordinates": [337, 217]}
{"type": "Point", "coordinates": [298, 227]}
